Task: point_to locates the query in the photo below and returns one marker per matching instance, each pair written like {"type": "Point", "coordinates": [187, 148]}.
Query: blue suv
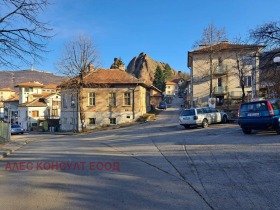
{"type": "Point", "coordinates": [259, 115]}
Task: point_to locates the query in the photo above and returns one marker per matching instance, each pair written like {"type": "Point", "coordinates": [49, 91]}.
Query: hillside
{"type": "Point", "coordinates": [12, 78]}
{"type": "Point", "coordinates": [144, 67]}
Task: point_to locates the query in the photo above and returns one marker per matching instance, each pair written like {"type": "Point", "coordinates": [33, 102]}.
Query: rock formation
{"type": "Point", "coordinates": [144, 67]}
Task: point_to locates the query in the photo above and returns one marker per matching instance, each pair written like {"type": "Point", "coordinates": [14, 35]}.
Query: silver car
{"type": "Point", "coordinates": [16, 129]}
{"type": "Point", "coordinates": [202, 116]}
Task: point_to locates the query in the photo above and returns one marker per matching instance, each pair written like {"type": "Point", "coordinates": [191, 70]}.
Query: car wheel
{"type": "Point", "coordinates": [224, 120]}
{"type": "Point", "coordinates": [204, 123]}
{"type": "Point", "coordinates": [21, 132]}
{"type": "Point", "coordinates": [247, 131]}
{"type": "Point", "coordinates": [186, 126]}
{"type": "Point", "coordinates": [278, 131]}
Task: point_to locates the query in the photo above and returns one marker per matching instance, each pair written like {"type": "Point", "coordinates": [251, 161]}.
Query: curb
{"type": "Point", "coordinates": [5, 152]}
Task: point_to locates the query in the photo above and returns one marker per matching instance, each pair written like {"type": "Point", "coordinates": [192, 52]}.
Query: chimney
{"type": "Point", "coordinates": [225, 41]}
{"type": "Point", "coordinates": [90, 67]}
{"type": "Point", "coordinates": [201, 46]}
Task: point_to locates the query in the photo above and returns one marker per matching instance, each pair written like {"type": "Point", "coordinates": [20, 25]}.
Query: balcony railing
{"type": "Point", "coordinates": [220, 90]}
{"type": "Point", "coordinates": [235, 94]}
{"type": "Point", "coordinates": [220, 70]}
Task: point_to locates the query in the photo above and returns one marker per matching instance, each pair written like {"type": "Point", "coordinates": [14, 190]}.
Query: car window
{"type": "Point", "coordinates": [206, 110]}
{"type": "Point", "coordinates": [15, 126]}
{"type": "Point", "coordinates": [199, 111]}
{"type": "Point", "coordinates": [188, 112]}
{"type": "Point", "coordinates": [254, 107]}
{"type": "Point", "coordinates": [213, 110]}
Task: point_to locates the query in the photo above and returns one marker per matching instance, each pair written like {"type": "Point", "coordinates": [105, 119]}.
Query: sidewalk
{"type": "Point", "coordinates": [10, 147]}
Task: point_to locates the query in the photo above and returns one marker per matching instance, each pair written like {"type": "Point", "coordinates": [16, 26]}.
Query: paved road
{"type": "Point", "coordinates": [162, 166]}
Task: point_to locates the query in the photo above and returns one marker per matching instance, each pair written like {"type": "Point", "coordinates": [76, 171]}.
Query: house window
{"type": "Point", "coordinates": [168, 87]}
{"type": "Point", "coordinates": [127, 99]}
{"type": "Point", "coordinates": [220, 82]}
{"type": "Point", "coordinates": [26, 89]}
{"type": "Point", "coordinates": [113, 121]}
{"type": "Point", "coordinates": [247, 81]}
{"type": "Point", "coordinates": [91, 99]}
{"type": "Point", "coordinates": [35, 113]}
{"type": "Point", "coordinates": [92, 121]}
{"type": "Point", "coordinates": [112, 99]}
{"type": "Point", "coordinates": [54, 112]}
{"type": "Point", "coordinates": [31, 89]}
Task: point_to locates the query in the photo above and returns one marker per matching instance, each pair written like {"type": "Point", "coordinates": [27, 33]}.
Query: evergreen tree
{"type": "Point", "coordinates": [159, 80]}
{"type": "Point", "coordinates": [168, 74]}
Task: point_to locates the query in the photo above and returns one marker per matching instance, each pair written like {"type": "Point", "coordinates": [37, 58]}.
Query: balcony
{"type": "Point", "coordinates": [235, 94]}
{"type": "Point", "coordinates": [219, 90]}
{"type": "Point", "coordinates": [220, 71]}
{"type": "Point", "coordinates": [56, 107]}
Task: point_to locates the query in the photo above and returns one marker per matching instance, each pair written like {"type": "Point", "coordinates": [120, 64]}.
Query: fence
{"type": "Point", "coordinates": [4, 135]}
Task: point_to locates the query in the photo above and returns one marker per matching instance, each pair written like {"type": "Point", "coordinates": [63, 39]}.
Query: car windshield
{"type": "Point", "coordinates": [254, 107]}
{"type": "Point", "coordinates": [15, 126]}
{"type": "Point", "coordinates": [188, 112]}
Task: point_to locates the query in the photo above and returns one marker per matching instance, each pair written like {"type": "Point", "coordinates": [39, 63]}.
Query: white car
{"type": "Point", "coordinates": [202, 116]}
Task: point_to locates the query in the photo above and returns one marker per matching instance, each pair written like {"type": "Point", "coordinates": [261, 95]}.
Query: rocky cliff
{"type": "Point", "coordinates": [13, 78]}
{"type": "Point", "coordinates": [144, 67]}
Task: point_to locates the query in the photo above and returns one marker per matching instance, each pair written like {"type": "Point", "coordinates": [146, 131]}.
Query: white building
{"type": "Point", "coordinates": [41, 113]}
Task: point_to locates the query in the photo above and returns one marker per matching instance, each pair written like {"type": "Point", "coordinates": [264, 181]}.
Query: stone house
{"type": "Point", "coordinates": [110, 97]}
{"type": "Point", "coordinates": [226, 88]}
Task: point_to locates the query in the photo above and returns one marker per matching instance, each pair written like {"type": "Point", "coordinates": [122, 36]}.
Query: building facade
{"type": "Point", "coordinates": [5, 93]}
{"type": "Point", "coordinates": [221, 65]}
{"type": "Point", "coordinates": [110, 97]}
{"type": "Point", "coordinates": [171, 88]}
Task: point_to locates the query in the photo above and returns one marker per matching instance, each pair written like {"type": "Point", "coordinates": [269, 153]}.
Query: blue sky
{"type": "Point", "coordinates": [164, 29]}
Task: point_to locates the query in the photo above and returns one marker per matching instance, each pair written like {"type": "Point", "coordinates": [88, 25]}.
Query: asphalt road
{"type": "Point", "coordinates": [161, 166]}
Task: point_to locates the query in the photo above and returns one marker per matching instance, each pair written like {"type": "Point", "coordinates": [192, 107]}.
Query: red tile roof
{"type": "Point", "coordinates": [34, 103]}
{"type": "Point", "coordinates": [30, 84]}
{"type": "Point", "coordinates": [14, 98]}
{"type": "Point", "coordinates": [106, 77]}
{"type": "Point", "coordinates": [170, 83]}
{"type": "Point", "coordinates": [7, 89]}
{"type": "Point", "coordinates": [111, 76]}
{"type": "Point", "coordinates": [50, 86]}
{"type": "Point", "coordinates": [226, 46]}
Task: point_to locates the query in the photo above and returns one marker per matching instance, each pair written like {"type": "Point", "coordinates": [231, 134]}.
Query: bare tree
{"type": "Point", "coordinates": [243, 63]}
{"type": "Point", "coordinates": [267, 34]}
{"type": "Point", "coordinates": [78, 58]}
{"type": "Point", "coordinates": [22, 34]}
{"type": "Point", "coordinates": [211, 36]}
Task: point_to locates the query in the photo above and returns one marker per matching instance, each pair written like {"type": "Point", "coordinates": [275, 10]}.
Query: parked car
{"type": "Point", "coordinates": [17, 129]}
{"type": "Point", "coordinates": [202, 116]}
{"type": "Point", "coordinates": [259, 115]}
{"type": "Point", "coordinates": [162, 105]}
